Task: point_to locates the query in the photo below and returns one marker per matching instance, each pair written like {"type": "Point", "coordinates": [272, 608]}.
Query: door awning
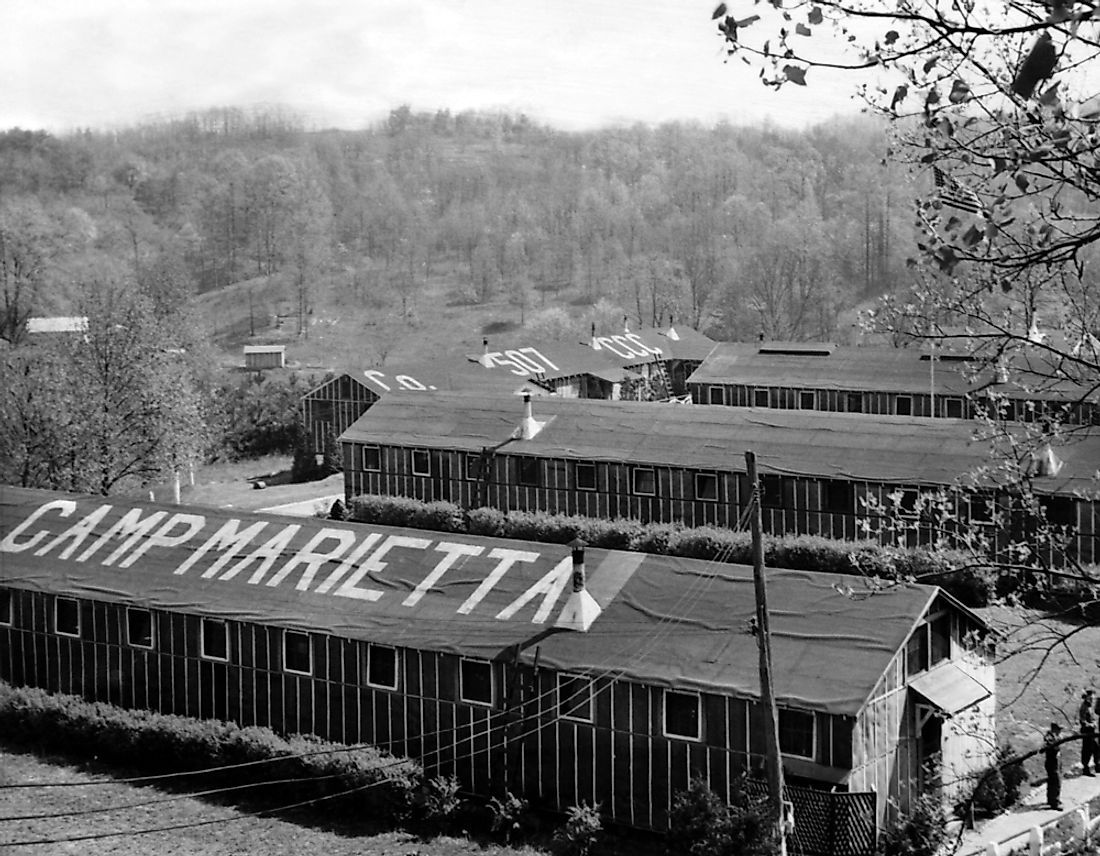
{"type": "Point", "coordinates": [949, 688]}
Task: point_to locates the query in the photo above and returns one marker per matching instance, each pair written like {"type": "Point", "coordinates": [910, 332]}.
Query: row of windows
{"type": "Point", "coordinates": [951, 407]}
{"type": "Point", "coordinates": [682, 711]}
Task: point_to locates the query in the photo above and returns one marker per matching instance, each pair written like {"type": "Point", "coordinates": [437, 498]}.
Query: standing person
{"type": "Point", "coordinates": [1052, 755]}
{"type": "Point", "coordinates": [1086, 720]}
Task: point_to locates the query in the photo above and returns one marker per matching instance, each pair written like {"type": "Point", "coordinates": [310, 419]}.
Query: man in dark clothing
{"type": "Point", "coordinates": [1052, 753]}
{"type": "Point", "coordinates": [1086, 721]}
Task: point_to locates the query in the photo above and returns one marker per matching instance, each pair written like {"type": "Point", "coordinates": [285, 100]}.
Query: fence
{"type": "Point", "coordinates": [826, 823]}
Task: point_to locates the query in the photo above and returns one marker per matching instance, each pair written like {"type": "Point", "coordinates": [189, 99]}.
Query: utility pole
{"type": "Point", "coordinates": [773, 762]}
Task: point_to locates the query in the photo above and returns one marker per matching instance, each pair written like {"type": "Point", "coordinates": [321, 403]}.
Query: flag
{"type": "Point", "coordinates": [955, 194]}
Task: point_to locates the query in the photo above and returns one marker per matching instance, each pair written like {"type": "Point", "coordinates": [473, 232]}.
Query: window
{"type": "Point", "coordinates": [953, 408]}
{"type": "Point", "coordinates": [476, 682]}
{"type": "Point", "coordinates": [473, 467]}
{"type": "Point", "coordinates": [66, 617]}
{"type": "Point", "coordinates": [981, 509]}
{"type": "Point", "coordinates": [586, 476]}
{"type": "Point", "coordinates": [215, 639]}
{"type": "Point", "coordinates": [916, 651]}
{"type": "Point", "coordinates": [761, 398]}
{"type": "Point", "coordinates": [771, 491]}
{"type": "Point", "coordinates": [682, 715]}
{"type": "Point", "coordinates": [382, 666]}
{"type": "Point", "coordinates": [645, 481]}
{"type": "Point", "coordinates": [940, 630]}
{"type": "Point", "coordinates": [139, 627]}
{"type": "Point", "coordinates": [372, 458]}
{"type": "Point", "coordinates": [7, 607]}
{"type": "Point", "coordinates": [903, 405]}
{"type": "Point", "coordinates": [837, 497]}
{"type": "Point", "coordinates": [807, 400]}
{"type": "Point", "coordinates": [714, 395]}
{"type": "Point", "coordinates": [796, 733]}
{"type": "Point", "coordinates": [529, 474]}
{"type": "Point", "coordinates": [907, 501]}
{"type": "Point", "coordinates": [854, 402]}
{"type": "Point", "coordinates": [297, 652]}
{"type": "Point", "coordinates": [421, 462]}
{"type": "Point", "coordinates": [1059, 510]}
{"type": "Point", "coordinates": [706, 486]}
{"type": "Point", "coordinates": [575, 697]}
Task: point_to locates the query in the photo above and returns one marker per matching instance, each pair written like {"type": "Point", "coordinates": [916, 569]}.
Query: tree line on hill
{"type": "Point", "coordinates": [738, 230]}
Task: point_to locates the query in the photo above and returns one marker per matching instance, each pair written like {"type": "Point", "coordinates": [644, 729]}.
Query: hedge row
{"type": "Point", "coordinates": [975, 586]}
{"type": "Point", "coordinates": [162, 743]}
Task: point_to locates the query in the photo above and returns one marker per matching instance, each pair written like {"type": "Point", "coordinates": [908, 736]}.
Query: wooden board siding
{"type": "Point", "coordinates": [920, 404]}
{"type": "Point", "coordinates": [621, 759]}
{"type": "Point", "coordinates": [335, 405]}
{"type": "Point", "coordinates": [801, 508]}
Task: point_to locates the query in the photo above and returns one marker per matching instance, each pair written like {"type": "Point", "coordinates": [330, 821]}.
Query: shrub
{"type": "Point", "coordinates": [511, 816]}
{"type": "Point", "coordinates": [439, 802]}
{"type": "Point", "coordinates": [711, 544]}
{"type": "Point", "coordinates": [702, 824]}
{"type": "Point", "coordinates": [158, 742]}
{"type": "Point", "coordinates": [338, 511]}
{"type": "Point", "coordinates": [438, 516]}
{"type": "Point", "coordinates": [920, 833]}
{"type": "Point", "coordinates": [581, 832]}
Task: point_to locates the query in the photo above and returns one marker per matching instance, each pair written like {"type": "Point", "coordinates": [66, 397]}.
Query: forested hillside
{"type": "Point", "coordinates": [739, 231]}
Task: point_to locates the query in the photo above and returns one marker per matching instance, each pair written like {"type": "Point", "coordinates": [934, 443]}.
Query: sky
{"type": "Point", "coordinates": [573, 64]}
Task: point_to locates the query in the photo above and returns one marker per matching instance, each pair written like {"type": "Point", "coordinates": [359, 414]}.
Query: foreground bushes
{"type": "Point", "coordinates": [974, 586]}
{"type": "Point", "coordinates": [161, 743]}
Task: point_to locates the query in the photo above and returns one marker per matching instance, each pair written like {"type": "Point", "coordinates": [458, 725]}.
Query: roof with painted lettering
{"type": "Point", "coordinates": [456, 375]}
{"type": "Point", "coordinates": [859, 447]}
{"type": "Point", "coordinates": [816, 365]}
{"type": "Point", "coordinates": [635, 347]}
{"type": "Point", "coordinates": [667, 621]}
{"type": "Point", "coordinates": [550, 358]}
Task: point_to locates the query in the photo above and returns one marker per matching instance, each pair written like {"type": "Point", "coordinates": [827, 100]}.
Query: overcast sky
{"type": "Point", "coordinates": [571, 63]}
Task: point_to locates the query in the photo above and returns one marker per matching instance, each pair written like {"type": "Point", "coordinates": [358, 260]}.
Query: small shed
{"type": "Point", "coordinates": [464, 651]}
{"type": "Point", "coordinates": [260, 357]}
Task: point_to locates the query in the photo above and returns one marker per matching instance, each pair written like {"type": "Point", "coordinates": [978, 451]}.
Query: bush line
{"type": "Point", "coordinates": [951, 569]}
{"type": "Point", "coordinates": [158, 743]}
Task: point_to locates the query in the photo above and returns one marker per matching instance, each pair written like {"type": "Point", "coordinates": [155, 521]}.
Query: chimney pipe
{"type": "Point", "coordinates": [581, 609]}
{"type": "Point", "coordinates": [593, 342]}
{"type": "Point", "coordinates": [485, 361]}
{"type": "Point", "coordinates": [626, 324]}
{"type": "Point", "coordinates": [528, 426]}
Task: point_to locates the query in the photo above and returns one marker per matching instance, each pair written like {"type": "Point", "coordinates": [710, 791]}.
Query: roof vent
{"type": "Point", "coordinates": [528, 426]}
{"type": "Point", "coordinates": [484, 358]}
{"type": "Point", "coordinates": [581, 609]}
{"type": "Point", "coordinates": [797, 349]}
{"type": "Point", "coordinates": [1002, 371]}
{"type": "Point", "coordinates": [1044, 462]}
{"type": "Point", "coordinates": [626, 324]}
{"type": "Point", "coordinates": [1034, 334]}
{"type": "Point", "coordinates": [672, 334]}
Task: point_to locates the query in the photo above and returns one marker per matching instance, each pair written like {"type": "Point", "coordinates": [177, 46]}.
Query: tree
{"type": "Point", "coordinates": [25, 243]}
{"type": "Point", "coordinates": [118, 405]}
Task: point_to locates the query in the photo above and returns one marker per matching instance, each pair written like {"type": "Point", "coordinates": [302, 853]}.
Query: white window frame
{"type": "Point", "coordinates": [202, 639]}
{"type": "Point", "coordinates": [720, 396]}
{"type": "Point", "coordinates": [427, 457]}
{"type": "Point", "coordinates": [757, 390]}
{"type": "Point", "coordinates": [710, 475]}
{"type": "Point", "coordinates": [562, 704]}
{"type": "Point", "coordinates": [473, 462]}
{"type": "Point", "coordinates": [634, 481]}
{"type": "Point", "coordinates": [363, 460]}
{"type": "Point", "coordinates": [309, 648]}
{"type": "Point", "coordinates": [813, 734]}
{"type": "Point", "coordinates": [56, 627]}
{"type": "Point", "coordinates": [152, 628]}
{"type": "Point", "coordinates": [462, 683]}
{"type": "Point", "coordinates": [908, 398]}
{"type": "Point", "coordinates": [802, 400]}
{"type": "Point", "coordinates": [523, 462]}
{"type": "Point", "coordinates": [371, 648]}
{"type": "Point", "coordinates": [7, 618]}
{"type": "Point", "coordinates": [698, 717]}
{"type": "Point", "coordinates": [595, 476]}
{"type": "Point", "coordinates": [953, 399]}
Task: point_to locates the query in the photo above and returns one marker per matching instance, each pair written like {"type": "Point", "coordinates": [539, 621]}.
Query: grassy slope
{"type": "Point", "coordinates": [287, 835]}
